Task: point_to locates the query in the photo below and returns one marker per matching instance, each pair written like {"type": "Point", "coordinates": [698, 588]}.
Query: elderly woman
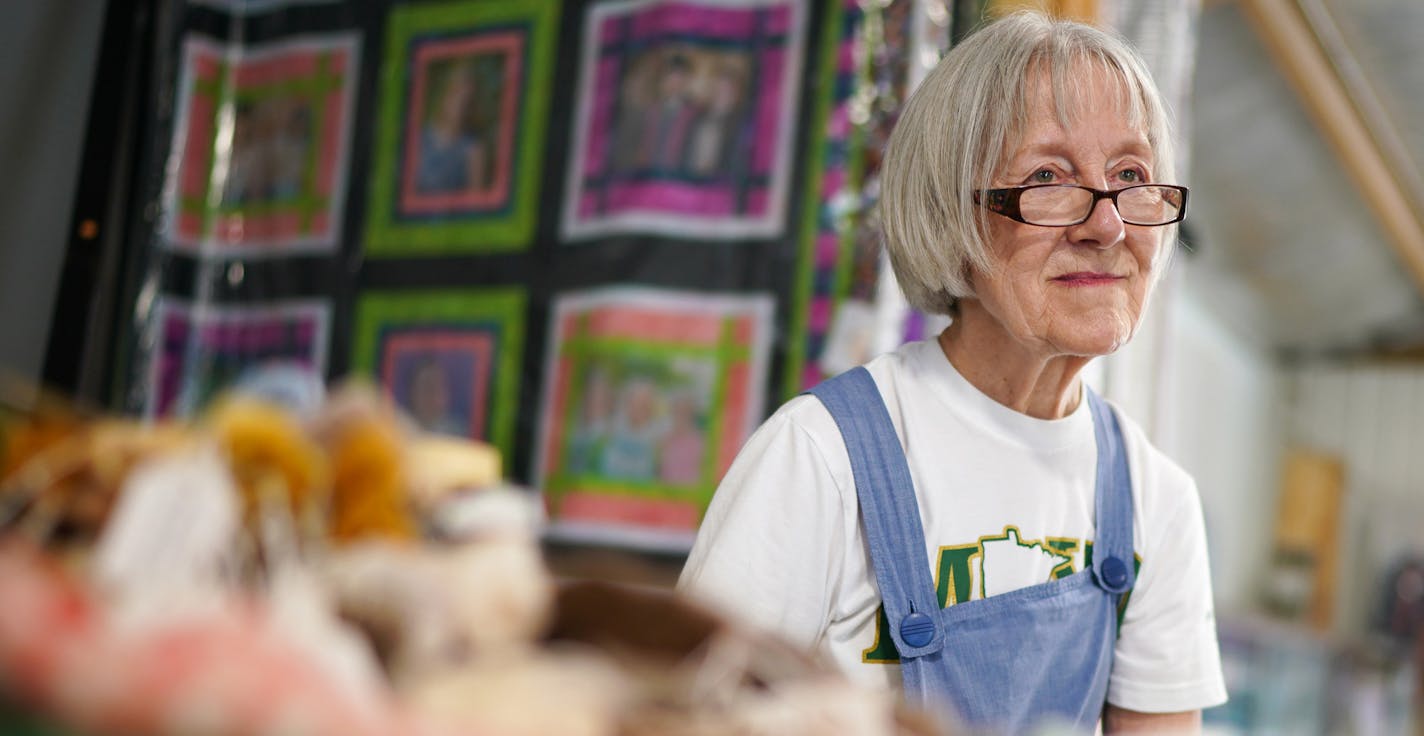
{"type": "Point", "coordinates": [963, 516]}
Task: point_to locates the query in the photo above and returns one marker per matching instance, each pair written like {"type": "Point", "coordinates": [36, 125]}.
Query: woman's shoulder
{"type": "Point", "coordinates": [899, 376]}
{"type": "Point", "coordinates": [803, 416]}
{"type": "Point", "coordinates": [807, 416]}
{"type": "Point", "coordinates": [796, 453]}
{"type": "Point", "coordinates": [1140, 444]}
{"type": "Point", "coordinates": [1161, 484]}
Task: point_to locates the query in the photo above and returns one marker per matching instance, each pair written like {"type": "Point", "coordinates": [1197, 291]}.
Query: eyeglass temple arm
{"type": "Point", "coordinates": [1001, 201]}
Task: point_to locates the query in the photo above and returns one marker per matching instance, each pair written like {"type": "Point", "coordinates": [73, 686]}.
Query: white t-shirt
{"type": "Point", "coordinates": [1006, 501]}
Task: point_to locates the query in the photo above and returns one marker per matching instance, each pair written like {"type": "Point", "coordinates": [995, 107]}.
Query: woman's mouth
{"type": "Point", "coordinates": [1086, 278]}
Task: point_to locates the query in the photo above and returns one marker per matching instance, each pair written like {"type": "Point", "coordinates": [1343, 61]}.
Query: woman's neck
{"type": "Point", "coordinates": [1010, 372]}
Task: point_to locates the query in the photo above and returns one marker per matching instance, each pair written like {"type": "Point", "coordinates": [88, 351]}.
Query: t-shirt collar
{"type": "Point", "coordinates": [980, 410]}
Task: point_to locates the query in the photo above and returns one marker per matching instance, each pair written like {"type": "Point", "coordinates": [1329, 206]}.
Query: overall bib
{"type": "Point", "coordinates": [1011, 661]}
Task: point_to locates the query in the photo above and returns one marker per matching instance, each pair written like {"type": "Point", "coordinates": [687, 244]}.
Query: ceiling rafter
{"type": "Point", "coordinates": [1084, 11]}
{"type": "Point", "coordinates": [1296, 49]}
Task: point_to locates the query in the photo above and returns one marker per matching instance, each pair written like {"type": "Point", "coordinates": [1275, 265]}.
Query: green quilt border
{"type": "Point", "coordinates": [387, 237]}
{"type": "Point", "coordinates": [578, 348]}
{"type": "Point", "coordinates": [504, 305]}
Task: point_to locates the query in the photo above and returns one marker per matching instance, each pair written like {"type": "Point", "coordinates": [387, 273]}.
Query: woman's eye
{"type": "Point", "coordinates": [1132, 176]}
{"type": "Point", "coordinates": [1043, 176]}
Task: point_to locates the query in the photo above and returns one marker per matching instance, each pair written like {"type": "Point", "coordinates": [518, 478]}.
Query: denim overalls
{"type": "Point", "coordinates": [1012, 661]}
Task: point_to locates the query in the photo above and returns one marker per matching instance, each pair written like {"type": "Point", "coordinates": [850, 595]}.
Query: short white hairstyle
{"type": "Point", "coordinates": [955, 129]}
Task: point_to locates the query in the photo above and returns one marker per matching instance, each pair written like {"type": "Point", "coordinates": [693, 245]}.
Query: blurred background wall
{"type": "Point", "coordinates": [47, 56]}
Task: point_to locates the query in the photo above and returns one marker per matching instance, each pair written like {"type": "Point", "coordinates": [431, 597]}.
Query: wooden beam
{"type": "Point", "coordinates": [1083, 11]}
{"type": "Point", "coordinates": [1299, 55]}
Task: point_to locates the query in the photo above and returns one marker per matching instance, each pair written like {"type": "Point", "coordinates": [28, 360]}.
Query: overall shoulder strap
{"type": "Point", "coordinates": [888, 510]}
{"type": "Point", "coordinates": [1112, 549]}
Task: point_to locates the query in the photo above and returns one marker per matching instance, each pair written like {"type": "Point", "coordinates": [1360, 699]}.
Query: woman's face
{"type": "Point", "coordinates": [459, 91]}
{"type": "Point", "coordinates": [1077, 290]}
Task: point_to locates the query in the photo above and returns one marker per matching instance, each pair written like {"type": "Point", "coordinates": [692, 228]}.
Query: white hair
{"type": "Point", "coordinates": [953, 133]}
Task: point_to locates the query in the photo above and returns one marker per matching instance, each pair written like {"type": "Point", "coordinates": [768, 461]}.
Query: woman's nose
{"type": "Point", "coordinates": [1103, 228]}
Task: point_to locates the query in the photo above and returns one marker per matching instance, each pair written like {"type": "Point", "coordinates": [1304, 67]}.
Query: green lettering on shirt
{"type": "Point", "coordinates": [883, 651]}
{"type": "Point", "coordinates": [1066, 547]}
{"type": "Point", "coordinates": [952, 573]}
{"type": "Point", "coordinates": [954, 584]}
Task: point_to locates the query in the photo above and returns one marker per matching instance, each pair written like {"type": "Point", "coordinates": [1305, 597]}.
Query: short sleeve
{"type": "Point", "coordinates": [1166, 659]}
{"type": "Point", "coordinates": [770, 546]}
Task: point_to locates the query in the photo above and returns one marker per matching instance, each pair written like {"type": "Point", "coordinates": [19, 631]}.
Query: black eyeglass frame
{"type": "Point", "coordinates": [1006, 202]}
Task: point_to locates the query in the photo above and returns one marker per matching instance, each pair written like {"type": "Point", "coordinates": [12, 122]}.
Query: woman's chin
{"type": "Point", "coordinates": [1098, 332]}
{"type": "Point", "coordinates": [1094, 343]}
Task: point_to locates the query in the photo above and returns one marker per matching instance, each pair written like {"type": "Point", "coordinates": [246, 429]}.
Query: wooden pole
{"type": "Point", "coordinates": [1083, 11]}
{"type": "Point", "coordinates": [1299, 55]}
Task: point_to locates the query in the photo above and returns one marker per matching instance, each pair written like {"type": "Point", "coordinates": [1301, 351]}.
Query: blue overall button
{"type": "Point", "coordinates": [917, 629]}
{"type": "Point", "coordinates": [1114, 572]}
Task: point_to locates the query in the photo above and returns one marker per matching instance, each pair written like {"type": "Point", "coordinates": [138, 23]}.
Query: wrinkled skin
{"type": "Point", "coordinates": [1059, 296]}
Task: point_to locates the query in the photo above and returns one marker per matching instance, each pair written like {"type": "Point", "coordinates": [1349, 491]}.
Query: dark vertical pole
{"type": "Point", "coordinates": [966, 15]}
{"type": "Point", "coordinates": [77, 358]}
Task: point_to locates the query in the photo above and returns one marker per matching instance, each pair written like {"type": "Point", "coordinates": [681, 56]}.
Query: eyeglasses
{"type": "Point", "coordinates": [1060, 205]}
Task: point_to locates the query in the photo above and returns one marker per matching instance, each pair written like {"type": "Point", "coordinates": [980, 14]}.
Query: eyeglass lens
{"type": "Point", "coordinates": [1142, 205]}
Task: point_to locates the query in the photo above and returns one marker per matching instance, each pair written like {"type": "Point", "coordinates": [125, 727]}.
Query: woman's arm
{"type": "Point", "coordinates": [770, 548]}
{"type": "Point", "coordinates": [1166, 659]}
{"type": "Point", "coordinates": [1122, 721]}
